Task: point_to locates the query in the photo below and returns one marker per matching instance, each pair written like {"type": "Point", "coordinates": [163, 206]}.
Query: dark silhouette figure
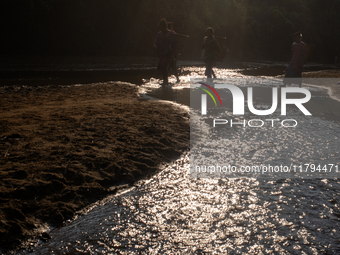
{"type": "Point", "coordinates": [174, 46]}
{"type": "Point", "coordinates": [298, 59]}
{"type": "Point", "coordinates": [211, 51]}
{"type": "Point", "coordinates": [164, 43]}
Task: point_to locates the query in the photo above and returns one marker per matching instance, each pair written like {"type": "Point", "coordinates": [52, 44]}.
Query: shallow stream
{"type": "Point", "coordinates": [175, 213]}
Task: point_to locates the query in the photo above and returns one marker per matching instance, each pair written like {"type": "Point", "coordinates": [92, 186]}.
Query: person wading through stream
{"type": "Point", "coordinates": [211, 50]}
{"type": "Point", "coordinates": [299, 58]}
{"type": "Point", "coordinates": [164, 43]}
{"type": "Point", "coordinates": [174, 46]}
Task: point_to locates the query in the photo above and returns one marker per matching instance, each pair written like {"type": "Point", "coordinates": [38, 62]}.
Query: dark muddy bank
{"type": "Point", "coordinates": [64, 147]}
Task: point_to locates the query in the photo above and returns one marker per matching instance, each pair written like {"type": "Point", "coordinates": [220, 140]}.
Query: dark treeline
{"type": "Point", "coordinates": [255, 29]}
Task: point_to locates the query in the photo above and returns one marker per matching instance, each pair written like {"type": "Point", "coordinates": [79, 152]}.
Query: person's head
{"type": "Point", "coordinates": [162, 25]}
{"type": "Point", "coordinates": [298, 36]}
{"type": "Point", "coordinates": [209, 32]}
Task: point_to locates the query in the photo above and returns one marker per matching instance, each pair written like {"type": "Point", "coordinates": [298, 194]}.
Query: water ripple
{"type": "Point", "coordinates": [175, 214]}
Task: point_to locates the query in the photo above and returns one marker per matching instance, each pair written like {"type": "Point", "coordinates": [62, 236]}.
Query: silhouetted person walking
{"type": "Point", "coordinates": [164, 42]}
{"type": "Point", "coordinates": [211, 51]}
{"type": "Point", "coordinates": [299, 57]}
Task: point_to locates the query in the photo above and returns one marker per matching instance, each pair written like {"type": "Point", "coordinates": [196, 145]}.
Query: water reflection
{"type": "Point", "coordinates": [180, 92]}
{"type": "Point", "coordinates": [174, 214]}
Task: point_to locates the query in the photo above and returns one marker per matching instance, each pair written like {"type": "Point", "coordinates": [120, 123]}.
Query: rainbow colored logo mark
{"type": "Point", "coordinates": [208, 92]}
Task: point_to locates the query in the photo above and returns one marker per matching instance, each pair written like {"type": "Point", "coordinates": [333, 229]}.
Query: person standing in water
{"type": "Point", "coordinates": [164, 42]}
{"type": "Point", "coordinates": [211, 49]}
{"type": "Point", "coordinates": [174, 45]}
{"type": "Point", "coordinates": [299, 56]}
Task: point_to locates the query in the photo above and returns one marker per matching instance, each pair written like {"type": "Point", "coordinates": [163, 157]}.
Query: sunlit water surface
{"type": "Point", "coordinates": [174, 214]}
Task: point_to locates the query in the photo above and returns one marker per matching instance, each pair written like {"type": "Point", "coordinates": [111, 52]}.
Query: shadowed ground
{"type": "Point", "coordinates": [63, 147]}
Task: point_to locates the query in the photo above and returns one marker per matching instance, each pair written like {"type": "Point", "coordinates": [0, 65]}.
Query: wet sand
{"type": "Point", "coordinates": [64, 147]}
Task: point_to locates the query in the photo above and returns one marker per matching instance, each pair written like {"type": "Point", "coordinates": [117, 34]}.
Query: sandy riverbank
{"type": "Point", "coordinates": [64, 147]}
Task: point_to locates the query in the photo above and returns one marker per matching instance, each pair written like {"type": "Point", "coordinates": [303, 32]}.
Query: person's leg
{"type": "Point", "coordinates": [176, 71]}
{"type": "Point", "coordinates": [299, 79]}
{"type": "Point", "coordinates": [213, 73]}
{"type": "Point", "coordinates": [163, 66]}
{"type": "Point", "coordinates": [173, 66]}
{"type": "Point", "coordinates": [165, 77]}
{"type": "Point", "coordinates": [208, 69]}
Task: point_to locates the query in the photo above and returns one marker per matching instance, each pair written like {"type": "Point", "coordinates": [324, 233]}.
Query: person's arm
{"type": "Point", "coordinates": [305, 53]}
{"type": "Point", "coordinates": [156, 41]}
{"type": "Point", "coordinates": [217, 48]}
{"type": "Point", "coordinates": [204, 42]}
{"type": "Point", "coordinates": [292, 54]}
{"type": "Point", "coordinates": [168, 35]}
